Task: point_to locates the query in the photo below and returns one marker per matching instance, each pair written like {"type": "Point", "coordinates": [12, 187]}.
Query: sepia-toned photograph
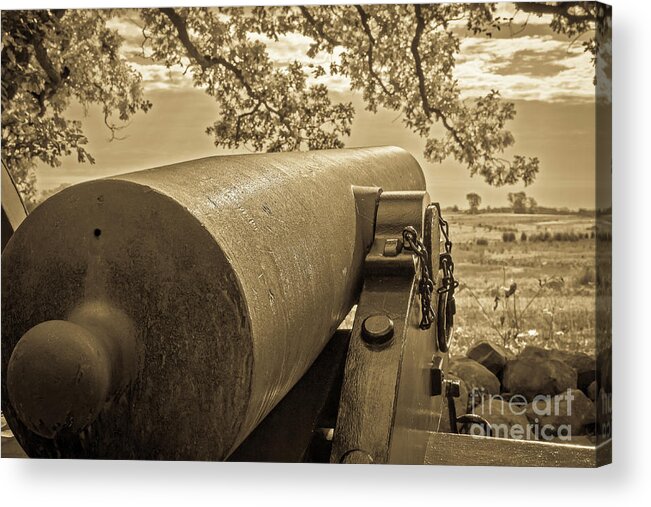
{"type": "Point", "coordinates": [345, 234]}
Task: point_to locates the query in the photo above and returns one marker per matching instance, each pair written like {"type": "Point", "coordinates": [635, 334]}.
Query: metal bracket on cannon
{"type": "Point", "coordinates": [387, 407]}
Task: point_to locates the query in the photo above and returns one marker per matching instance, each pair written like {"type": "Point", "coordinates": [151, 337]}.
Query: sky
{"type": "Point", "coordinates": [549, 79]}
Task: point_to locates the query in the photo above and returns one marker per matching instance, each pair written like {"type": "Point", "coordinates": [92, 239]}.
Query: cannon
{"type": "Point", "coordinates": [163, 314]}
{"type": "Point", "coordinates": [193, 312]}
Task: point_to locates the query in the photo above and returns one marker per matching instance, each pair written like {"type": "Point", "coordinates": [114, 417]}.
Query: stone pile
{"type": "Point", "coordinates": [538, 394]}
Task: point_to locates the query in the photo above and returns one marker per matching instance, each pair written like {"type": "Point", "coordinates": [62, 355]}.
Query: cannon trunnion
{"type": "Point", "coordinates": [190, 312]}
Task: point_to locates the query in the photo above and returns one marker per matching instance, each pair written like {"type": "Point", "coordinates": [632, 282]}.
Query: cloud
{"type": "Point", "coordinates": [526, 68]}
{"type": "Point", "coordinates": [530, 63]}
{"type": "Point", "coordinates": [156, 76]}
{"type": "Point", "coordinates": [294, 47]}
{"type": "Point", "coordinates": [127, 26]}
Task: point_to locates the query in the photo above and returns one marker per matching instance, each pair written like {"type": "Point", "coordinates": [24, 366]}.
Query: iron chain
{"type": "Point", "coordinates": [426, 283]}
{"type": "Point", "coordinates": [446, 264]}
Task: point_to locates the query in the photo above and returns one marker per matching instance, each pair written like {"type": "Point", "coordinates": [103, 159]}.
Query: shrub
{"type": "Point", "coordinates": [541, 236]}
{"type": "Point", "coordinates": [565, 236]}
{"type": "Point", "coordinates": [482, 241]}
{"type": "Point", "coordinates": [507, 237]}
{"type": "Point", "coordinates": [523, 236]}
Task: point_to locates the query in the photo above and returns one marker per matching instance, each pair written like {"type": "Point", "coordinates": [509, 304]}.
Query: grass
{"type": "Point", "coordinates": [519, 292]}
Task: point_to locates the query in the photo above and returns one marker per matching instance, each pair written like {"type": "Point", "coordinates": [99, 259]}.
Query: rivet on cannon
{"type": "Point", "coordinates": [377, 330]}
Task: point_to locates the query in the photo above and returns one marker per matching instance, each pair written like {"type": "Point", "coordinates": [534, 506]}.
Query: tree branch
{"type": "Point", "coordinates": [317, 26]}
{"type": "Point", "coordinates": [559, 9]}
{"type": "Point", "coordinates": [207, 61]}
{"type": "Point", "coordinates": [46, 64]}
{"type": "Point", "coordinates": [422, 90]}
{"type": "Point", "coordinates": [429, 110]}
{"type": "Point", "coordinates": [54, 77]}
{"type": "Point", "coordinates": [240, 117]}
{"type": "Point", "coordinates": [369, 54]}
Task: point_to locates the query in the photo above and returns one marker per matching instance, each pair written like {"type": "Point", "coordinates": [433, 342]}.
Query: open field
{"type": "Point", "coordinates": [539, 290]}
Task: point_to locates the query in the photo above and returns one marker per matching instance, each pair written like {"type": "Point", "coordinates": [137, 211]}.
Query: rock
{"type": "Point", "coordinates": [533, 352]}
{"type": "Point", "coordinates": [586, 369]}
{"type": "Point", "coordinates": [592, 390]}
{"type": "Point", "coordinates": [508, 420]}
{"type": "Point", "coordinates": [490, 355]}
{"type": "Point", "coordinates": [585, 366]}
{"type": "Point", "coordinates": [460, 404]}
{"type": "Point", "coordinates": [530, 376]}
{"type": "Point", "coordinates": [474, 375]}
{"type": "Point", "coordinates": [564, 415]}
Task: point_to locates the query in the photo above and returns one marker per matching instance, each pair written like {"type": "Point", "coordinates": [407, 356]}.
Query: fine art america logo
{"type": "Point", "coordinates": [545, 418]}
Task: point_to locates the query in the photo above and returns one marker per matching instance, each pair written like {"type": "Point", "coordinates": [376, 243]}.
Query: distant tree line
{"type": "Point", "coordinates": [520, 202]}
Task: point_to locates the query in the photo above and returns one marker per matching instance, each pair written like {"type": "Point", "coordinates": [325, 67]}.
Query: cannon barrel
{"type": "Point", "coordinates": [162, 314]}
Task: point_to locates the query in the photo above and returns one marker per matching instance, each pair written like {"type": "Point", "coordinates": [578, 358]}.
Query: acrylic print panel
{"type": "Point", "coordinates": [339, 234]}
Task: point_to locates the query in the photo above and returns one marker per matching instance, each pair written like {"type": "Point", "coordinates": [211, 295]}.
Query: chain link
{"type": "Point", "coordinates": [448, 284]}
{"type": "Point", "coordinates": [426, 283]}
{"type": "Point", "coordinates": [445, 230]}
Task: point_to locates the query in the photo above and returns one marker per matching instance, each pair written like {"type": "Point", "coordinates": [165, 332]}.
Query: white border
{"type": "Point", "coordinates": [51, 483]}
